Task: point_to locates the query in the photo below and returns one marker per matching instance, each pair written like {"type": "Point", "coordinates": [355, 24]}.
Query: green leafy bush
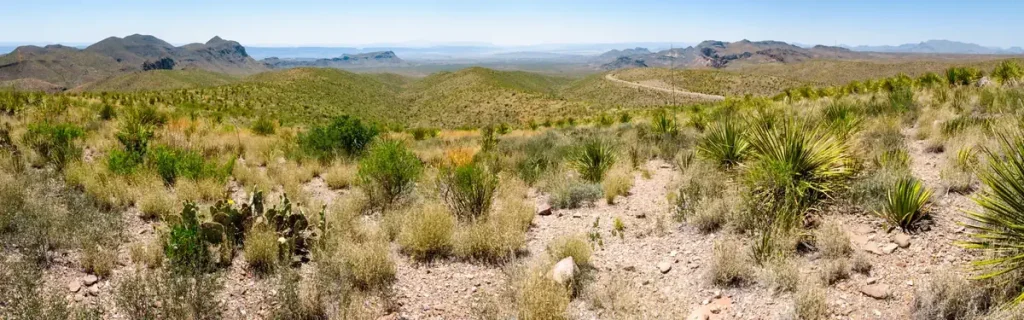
{"type": "Point", "coordinates": [344, 136]}
{"type": "Point", "coordinates": [389, 171]}
{"type": "Point", "coordinates": [593, 158]}
{"type": "Point", "coordinates": [1008, 72]}
{"type": "Point", "coordinates": [906, 203]}
{"type": "Point", "coordinates": [172, 164]}
{"type": "Point", "coordinates": [467, 189]}
{"type": "Point", "coordinates": [134, 136]}
{"type": "Point", "coordinates": [55, 142]}
{"type": "Point", "coordinates": [263, 126]}
{"type": "Point", "coordinates": [187, 242]}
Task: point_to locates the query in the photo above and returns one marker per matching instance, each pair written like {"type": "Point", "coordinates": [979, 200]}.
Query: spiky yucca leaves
{"type": "Point", "coordinates": [794, 166]}
{"type": "Point", "coordinates": [664, 123]}
{"type": "Point", "coordinates": [724, 143]}
{"type": "Point", "coordinates": [905, 203]}
{"type": "Point", "coordinates": [842, 118]}
{"type": "Point", "coordinates": [593, 158]}
{"type": "Point", "coordinates": [999, 226]}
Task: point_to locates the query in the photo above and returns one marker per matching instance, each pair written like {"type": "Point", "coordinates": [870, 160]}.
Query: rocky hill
{"type": "Point", "coordinates": [720, 54]}
{"type": "Point", "coordinates": [68, 67]}
{"type": "Point", "coordinates": [371, 59]}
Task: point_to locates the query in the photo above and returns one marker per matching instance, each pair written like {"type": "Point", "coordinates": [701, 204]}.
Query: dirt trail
{"type": "Point", "coordinates": [611, 77]}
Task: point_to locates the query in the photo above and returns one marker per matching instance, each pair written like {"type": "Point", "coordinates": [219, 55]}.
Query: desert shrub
{"type": "Point", "coordinates": [172, 164]}
{"type": "Point", "coordinates": [832, 241]}
{"type": "Point", "coordinates": [496, 239]}
{"type": "Point", "coordinates": [664, 123]}
{"type": "Point", "coordinates": [860, 263]}
{"type": "Point", "coordinates": [369, 264]}
{"type": "Point", "coordinates": [25, 297]}
{"type": "Point", "coordinates": [962, 76]}
{"type": "Point", "coordinates": [729, 267]}
{"type": "Point", "coordinates": [809, 302]}
{"type": "Point", "coordinates": [467, 189]}
{"type": "Point", "coordinates": [783, 275]}
{"type": "Point", "coordinates": [724, 143]}
{"type": "Point", "coordinates": [261, 249]}
{"type": "Point", "coordinates": [901, 100]}
{"type": "Point", "coordinates": [164, 295]}
{"type": "Point", "coordinates": [156, 204]}
{"type": "Point", "coordinates": [870, 191]}
{"type": "Point", "coordinates": [98, 260]}
{"type": "Point", "coordinates": [295, 301]}
{"type": "Point", "coordinates": [107, 112]}
{"type": "Point", "coordinates": [575, 246]}
{"type": "Point", "coordinates": [794, 167]}
{"type": "Point", "coordinates": [541, 154]}
{"type": "Point", "coordinates": [996, 226]}
{"type": "Point", "coordinates": [54, 142]}
{"type": "Point", "coordinates": [263, 126]}
{"type": "Point", "coordinates": [699, 183]}
{"type": "Point", "coordinates": [835, 270]}
{"type": "Point", "coordinates": [711, 214]}
{"type": "Point", "coordinates": [906, 204]}
{"type": "Point", "coordinates": [134, 137]}
{"type": "Point", "coordinates": [340, 176]}
{"type": "Point", "coordinates": [1008, 72]}
{"type": "Point", "coordinates": [948, 296]}
{"type": "Point", "coordinates": [149, 254]}
{"type": "Point", "coordinates": [958, 175]}
{"type": "Point", "coordinates": [574, 194]}
{"type": "Point", "coordinates": [186, 249]}
{"type": "Point", "coordinates": [593, 158]}
{"type": "Point", "coordinates": [345, 135]}
{"type": "Point", "coordinates": [540, 298]}
{"type": "Point", "coordinates": [388, 172]}
{"type": "Point", "coordinates": [618, 183]}
{"type": "Point", "coordinates": [427, 233]}
{"type": "Point", "coordinates": [423, 133]}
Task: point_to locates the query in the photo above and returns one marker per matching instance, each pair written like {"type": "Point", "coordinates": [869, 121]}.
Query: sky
{"type": "Point", "coordinates": [511, 23]}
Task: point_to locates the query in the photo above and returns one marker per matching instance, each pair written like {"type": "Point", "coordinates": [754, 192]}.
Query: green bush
{"type": "Point", "coordinates": [134, 136]}
{"type": "Point", "coordinates": [107, 112]}
{"type": "Point", "coordinates": [574, 194]}
{"type": "Point", "coordinates": [467, 189]}
{"type": "Point", "coordinates": [172, 164]}
{"type": "Point", "coordinates": [724, 143]}
{"type": "Point", "coordinates": [423, 133]}
{"type": "Point", "coordinates": [593, 158]}
{"type": "Point", "coordinates": [186, 246]}
{"type": "Point", "coordinates": [541, 155]}
{"type": "Point", "coordinates": [344, 136]}
{"type": "Point", "coordinates": [263, 126]}
{"type": "Point", "coordinates": [55, 142]}
{"type": "Point", "coordinates": [962, 76]}
{"type": "Point", "coordinates": [906, 203]}
{"type": "Point", "coordinates": [389, 171]}
{"type": "Point", "coordinates": [1008, 72]}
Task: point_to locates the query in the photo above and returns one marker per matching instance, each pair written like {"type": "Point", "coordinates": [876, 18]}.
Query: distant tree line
{"type": "Point", "coordinates": [162, 64]}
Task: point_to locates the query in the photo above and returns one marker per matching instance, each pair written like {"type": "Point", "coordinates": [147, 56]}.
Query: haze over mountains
{"type": "Point", "coordinates": [939, 46]}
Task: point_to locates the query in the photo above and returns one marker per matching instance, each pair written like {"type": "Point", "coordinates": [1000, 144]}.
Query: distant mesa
{"type": "Point", "coordinates": [624, 62]}
{"type": "Point", "coordinates": [939, 47]}
{"type": "Point", "coordinates": [70, 67]}
{"type": "Point", "coordinates": [370, 59]}
{"type": "Point", "coordinates": [721, 54]}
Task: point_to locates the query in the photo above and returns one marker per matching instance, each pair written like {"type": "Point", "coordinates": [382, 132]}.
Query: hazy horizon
{"type": "Point", "coordinates": [310, 23]}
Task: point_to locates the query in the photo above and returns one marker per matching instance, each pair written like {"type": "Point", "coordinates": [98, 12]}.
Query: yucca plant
{"type": "Point", "coordinates": [593, 158]}
{"type": "Point", "coordinates": [664, 123]}
{"type": "Point", "coordinates": [724, 143]}
{"type": "Point", "coordinates": [794, 166]}
{"type": "Point", "coordinates": [893, 159]}
{"type": "Point", "coordinates": [999, 226]}
{"type": "Point", "coordinates": [906, 203]}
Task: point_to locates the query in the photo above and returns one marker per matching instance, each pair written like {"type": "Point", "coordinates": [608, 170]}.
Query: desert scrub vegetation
{"type": "Point", "coordinates": [344, 136]}
{"type": "Point", "coordinates": [468, 189]}
{"type": "Point", "coordinates": [388, 172]}
{"type": "Point", "coordinates": [593, 158]}
{"type": "Point", "coordinates": [427, 232]}
{"type": "Point", "coordinates": [906, 203]}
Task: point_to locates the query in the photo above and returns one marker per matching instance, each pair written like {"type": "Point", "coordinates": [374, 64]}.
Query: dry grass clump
{"type": "Point", "coordinates": [251, 177]}
{"type": "Point", "coordinates": [98, 260]}
{"type": "Point", "coordinates": [150, 254]}
{"type": "Point", "coordinates": [618, 182]}
{"type": "Point", "coordinates": [261, 249]}
{"type": "Point", "coordinates": [427, 233]}
{"type": "Point", "coordinates": [541, 298]}
{"type": "Point", "coordinates": [203, 190]}
{"type": "Point", "coordinates": [782, 274]}
{"type": "Point", "coordinates": [157, 203]}
{"type": "Point", "coordinates": [712, 213]}
{"type": "Point", "coordinates": [809, 301]}
{"type": "Point", "coordinates": [615, 296]}
{"type": "Point", "coordinates": [576, 247]}
{"type": "Point", "coordinates": [835, 270]}
{"type": "Point", "coordinates": [340, 176]}
{"type": "Point", "coordinates": [832, 241]}
{"type": "Point", "coordinates": [108, 189]}
{"type": "Point", "coordinates": [860, 263]}
{"type": "Point", "coordinates": [949, 296]}
{"type": "Point", "coordinates": [729, 265]}
{"type": "Point", "coordinates": [369, 264]}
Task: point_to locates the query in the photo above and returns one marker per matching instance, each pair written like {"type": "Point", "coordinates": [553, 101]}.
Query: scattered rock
{"type": "Point", "coordinates": [889, 248]}
{"type": "Point", "coordinates": [629, 268]}
{"type": "Point", "coordinates": [665, 266]}
{"type": "Point", "coordinates": [74, 286]}
{"type": "Point", "coordinates": [564, 271]}
{"type": "Point", "coordinates": [872, 280]}
{"type": "Point", "coordinates": [577, 215]}
{"type": "Point", "coordinates": [544, 210]}
{"type": "Point", "coordinates": [94, 290]}
{"type": "Point", "coordinates": [89, 279]}
{"type": "Point", "coordinates": [698, 315]}
{"type": "Point", "coordinates": [640, 215]}
{"type": "Point", "coordinates": [877, 291]}
{"type": "Point", "coordinates": [673, 253]}
{"type": "Point", "coordinates": [79, 297]}
{"type": "Point", "coordinates": [902, 240]}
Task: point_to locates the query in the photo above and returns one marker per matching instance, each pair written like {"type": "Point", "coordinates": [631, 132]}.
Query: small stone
{"type": "Point", "coordinates": [673, 253]}
{"type": "Point", "coordinates": [79, 297]}
{"type": "Point", "coordinates": [74, 286]}
{"type": "Point", "coordinates": [872, 280]}
{"type": "Point", "coordinates": [645, 282]}
{"type": "Point", "coordinates": [902, 239]}
{"type": "Point", "coordinates": [717, 294]}
{"type": "Point", "coordinates": [665, 266]}
{"type": "Point", "coordinates": [877, 291]}
{"type": "Point", "coordinates": [577, 215]}
{"type": "Point", "coordinates": [698, 315]}
{"type": "Point", "coordinates": [890, 248]}
{"type": "Point", "coordinates": [544, 210]}
{"type": "Point", "coordinates": [94, 290]}
{"type": "Point", "coordinates": [640, 215]}
{"type": "Point", "coordinates": [705, 302]}
{"type": "Point", "coordinates": [89, 279]}
{"type": "Point", "coordinates": [629, 268]}
{"type": "Point", "coordinates": [564, 271]}
{"type": "Point", "coordinates": [910, 283]}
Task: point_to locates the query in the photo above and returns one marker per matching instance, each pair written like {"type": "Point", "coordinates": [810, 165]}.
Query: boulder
{"type": "Point", "coordinates": [564, 271]}
{"type": "Point", "coordinates": [89, 279]}
{"type": "Point", "coordinates": [877, 291]}
{"type": "Point", "coordinates": [74, 286]}
{"type": "Point", "coordinates": [665, 266]}
{"type": "Point", "coordinates": [902, 240]}
{"type": "Point", "coordinates": [544, 210]}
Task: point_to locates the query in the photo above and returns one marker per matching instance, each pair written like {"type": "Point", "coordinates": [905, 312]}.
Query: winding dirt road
{"type": "Point", "coordinates": [611, 77]}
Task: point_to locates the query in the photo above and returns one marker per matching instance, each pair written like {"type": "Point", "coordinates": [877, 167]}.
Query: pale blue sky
{"type": "Point", "coordinates": [523, 22]}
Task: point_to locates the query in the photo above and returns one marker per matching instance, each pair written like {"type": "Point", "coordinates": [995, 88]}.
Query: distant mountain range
{"type": "Point", "coordinates": [720, 54]}
{"type": "Point", "coordinates": [66, 67]}
{"type": "Point", "coordinates": [939, 46]}
{"type": "Point", "coordinates": [372, 59]}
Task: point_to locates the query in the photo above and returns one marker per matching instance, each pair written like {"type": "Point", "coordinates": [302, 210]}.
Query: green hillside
{"type": "Point", "coordinates": [710, 81]}
{"type": "Point", "coordinates": [159, 80]}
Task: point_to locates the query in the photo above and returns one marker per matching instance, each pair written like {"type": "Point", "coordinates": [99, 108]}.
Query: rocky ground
{"type": "Point", "coordinates": [656, 269]}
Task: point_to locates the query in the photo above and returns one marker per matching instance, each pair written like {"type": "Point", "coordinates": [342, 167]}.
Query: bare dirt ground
{"type": "Point", "coordinates": [657, 86]}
